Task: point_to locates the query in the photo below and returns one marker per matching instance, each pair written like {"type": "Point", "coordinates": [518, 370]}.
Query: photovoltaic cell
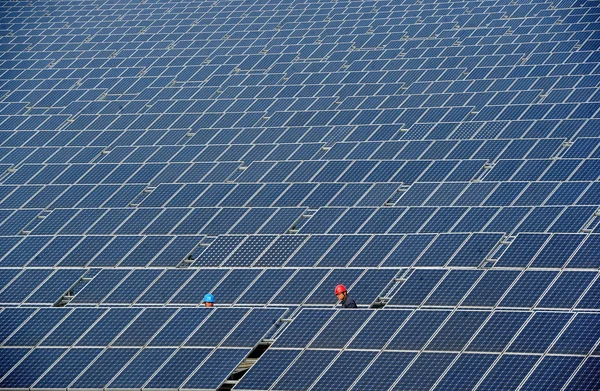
{"type": "Point", "coordinates": [528, 289]}
{"type": "Point", "coordinates": [23, 285]}
{"type": "Point", "coordinates": [453, 288]}
{"type": "Point", "coordinates": [539, 332]}
{"type": "Point", "coordinates": [552, 372]}
{"type": "Point", "coordinates": [30, 333]}
{"type": "Point", "coordinates": [68, 368]}
{"type": "Point", "coordinates": [508, 371]}
{"type": "Point", "coordinates": [141, 368]}
{"type": "Point", "coordinates": [178, 368]}
{"type": "Point", "coordinates": [590, 299]}
{"type": "Point", "coordinates": [425, 371]}
{"type": "Point", "coordinates": [301, 373]}
{"type": "Point", "coordinates": [566, 290]}
{"type": "Point", "coordinates": [267, 285]}
{"type": "Point", "coordinates": [302, 332]}
{"type": "Point", "coordinates": [386, 368]}
{"type": "Point", "coordinates": [128, 131]}
{"type": "Point", "coordinates": [12, 318]}
{"type": "Point", "coordinates": [216, 327]}
{"type": "Point", "coordinates": [216, 368]}
{"type": "Point", "coordinates": [73, 326]}
{"type": "Point", "coordinates": [343, 251]}
{"type": "Point", "coordinates": [586, 256]}
{"type": "Point", "coordinates": [266, 371]}
{"type": "Point", "coordinates": [490, 288]}
{"type": "Point", "coordinates": [108, 327]}
{"type": "Point", "coordinates": [457, 331]}
{"type": "Point", "coordinates": [280, 250]}
{"type": "Point", "coordinates": [180, 327]}
{"type": "Point", "coordinates": [10, 357]}
{"type": "Point", "coordinates": [417, 330]}
{"type": "Point", "coordinates": [166, 286]}
{"type": "Point", "coordinates": [498, 331]}
{"type": "Point", "coordinates": [132, 286]}
{"type": "Point", "coordinates": [32, 367]}
{"type": "Point", "coordinates": [557, 250]}
{"type": "Point", "coordinates": [330, 336]}
{"type": "Point", "coordinates": [579, 337]}
{"type": "Point", "coordinates": [441, 250]}
{"type": "Point", "coordinates": [234, 284]}
{"type": "Point", "coordinates": [466, 371]}
{"type": "Point", "coordinates": [144, 327]}
{"type": "Point", "coordinates": [253, 328]}
{"type": "Point", "coordinates": [521, 250]}
{"type": "Point", "coordinates": [380, 327]}
{"type": "Point", "coordinates": [408, 250]}
{"type": "Point", "coordinates": [417, 287]}
{"type": "Point", "coordinates": [345, 370]}
{"type": "Point", "coordinates": [585, 378]}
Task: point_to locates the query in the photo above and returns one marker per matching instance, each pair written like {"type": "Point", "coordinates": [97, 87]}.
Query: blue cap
{"type": "Point", "coordinates": [208, 298]}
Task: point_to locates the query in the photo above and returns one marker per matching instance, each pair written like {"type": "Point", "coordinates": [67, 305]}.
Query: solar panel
{"type": "Point", "coordinates": [142, 367]}
{"type": "Point", "coordinates": [440, 159]}
{"type": "Point", "coordinates": [267, 369]}
{"type": "Point", "coordinates": [301, 373]}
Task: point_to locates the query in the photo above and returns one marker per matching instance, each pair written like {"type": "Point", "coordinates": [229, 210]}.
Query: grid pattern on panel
{"type": "Point", "coordinates": [440, 159]}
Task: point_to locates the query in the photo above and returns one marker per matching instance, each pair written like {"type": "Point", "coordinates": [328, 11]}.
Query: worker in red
{"type": "Point", "coordinates": [342, 294]}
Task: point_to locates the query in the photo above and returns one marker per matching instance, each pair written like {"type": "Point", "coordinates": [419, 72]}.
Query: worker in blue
{"type": "Point", "coordinates": [342, 294]}
{"type": "Point", "coordinates": [209, 300]}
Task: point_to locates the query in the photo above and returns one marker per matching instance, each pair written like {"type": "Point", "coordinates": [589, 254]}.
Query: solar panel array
{"type": "Point", "coordinates": [439, 158]}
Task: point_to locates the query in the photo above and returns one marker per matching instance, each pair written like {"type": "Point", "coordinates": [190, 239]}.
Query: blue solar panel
{"type": "Point", "coordinates": [142, 367]}
{"type": "Point", "coordinates": [68, 368]}
{"type": "Point", "coordinates": [216, 368]}
{"type": "Point", "coordinates": [28, 370]}
{"type": "Point", "coordinates": [439, 159]}
{"type": "Point", "coordinates": [267, 369]}
{"type": "Point", "coordinates": [301, 373]}
{"type": "Point", "coordinates": [466, 371]}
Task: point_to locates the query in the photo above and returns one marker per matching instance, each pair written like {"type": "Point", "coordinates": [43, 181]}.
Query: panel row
{"type": "Point", "coordinates": [367, 370]}
{"type": "Point", "coordinates": [516, 346]}
{"type": "Point", "coordinates": [136, 327]}
{"type": "Point", "coordinates": [512, 140]}
{"type": "Point", "coordinates": [526, 148]}
{"type": "Point", "coordinates": [573, 251]}
{"type": "Point", "coordinates": [57, 177]}
{"type": "Point", "coordinates": [317, 171]}
{"type": "Point", "coordinates": [97, 251]}
{"type": "Point", "coordinates": [384, 342]}
{"type": "Point", "coordinates": [201, 195]}
{"type": "Point", "coordinates": [159, 346]}
{"type": "Point", "coordinates": [430, 287]}
{"type": "Point", "coordinates": [445, 103]}
{"type": "Point", "coordinates": [230, 286]}
{"type": "Point", "coordinates": [499, 194]}
{"type": "Point", "coordinates": [220, 221]}
{"type": "Point", "coordinates": [510, 220]}
{"type": "Point", "coordinates": [312, 195]}
{"type": "Point", "coordinates": [443, 330]}
{"type": "Point", "coordinates": [186, 221]}
{"type": "Point", "coordinates": [539, 289]}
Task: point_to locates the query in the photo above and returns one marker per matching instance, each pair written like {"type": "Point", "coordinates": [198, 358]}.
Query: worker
{"type": "Point", "coordinates": [209, 300]}
{"type": "Point", "coordinates": [342, 294]}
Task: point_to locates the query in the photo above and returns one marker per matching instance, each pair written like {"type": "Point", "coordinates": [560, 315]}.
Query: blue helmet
{"type": "Point", "coordinates": [208, 298]}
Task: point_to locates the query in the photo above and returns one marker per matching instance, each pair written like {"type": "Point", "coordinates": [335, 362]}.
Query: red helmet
{"type": "Point", "coordinates": [340, 289]}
